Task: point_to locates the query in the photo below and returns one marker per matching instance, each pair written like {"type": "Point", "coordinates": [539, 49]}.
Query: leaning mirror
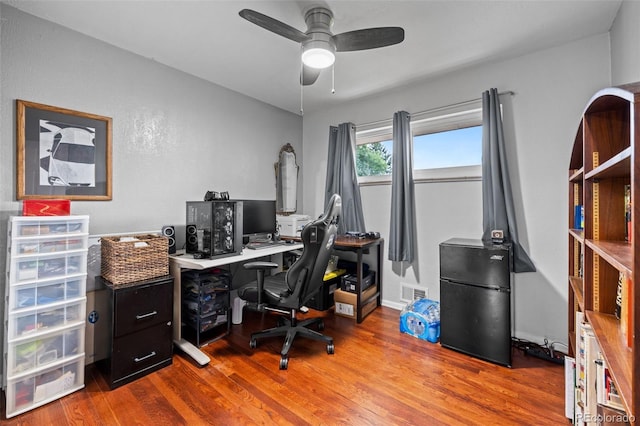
{"type": "Point", "coordinates": [286, 181]}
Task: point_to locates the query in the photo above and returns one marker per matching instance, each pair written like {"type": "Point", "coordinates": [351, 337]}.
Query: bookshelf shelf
{"type": "Point", "coordinates": [603, 170]}
{"type": "Point", "coordinates": [616, 353]}
{"type": "Point", "coordinates": [576, 287]}
{"type": "Point", "coordinates": [617, 253]}
{"type": "Point", "coordinates": [576, 175]}
{"type": "Point", "coordinates": [578, 234]}
{"type": "Point", "coordinates": [617, 166]}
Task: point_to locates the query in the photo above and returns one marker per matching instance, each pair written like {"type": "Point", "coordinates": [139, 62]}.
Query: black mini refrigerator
{"type": "Point", "coordinates": [475, 299]}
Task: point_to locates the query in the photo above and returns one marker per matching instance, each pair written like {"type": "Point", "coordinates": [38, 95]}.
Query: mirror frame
{"type": "Point", "coordinates": [286, 170]}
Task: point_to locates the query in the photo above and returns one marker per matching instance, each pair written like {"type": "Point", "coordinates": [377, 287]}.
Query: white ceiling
{"type": "Point", "coordinates": [208, 39]}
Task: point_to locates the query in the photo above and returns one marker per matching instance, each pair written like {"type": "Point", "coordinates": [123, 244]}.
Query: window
{"type": "Point", "coordinates": [447, 145]}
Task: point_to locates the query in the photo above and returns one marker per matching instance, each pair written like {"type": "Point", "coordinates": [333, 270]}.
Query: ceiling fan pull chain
{"type": "Point", "coordinates": [301, 85]}
{"type": "Point", "coordinates": [333, 79]}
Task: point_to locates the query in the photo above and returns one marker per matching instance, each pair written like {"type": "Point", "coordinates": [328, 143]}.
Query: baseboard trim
{"type": "Point", "coordinates": [394, 305]}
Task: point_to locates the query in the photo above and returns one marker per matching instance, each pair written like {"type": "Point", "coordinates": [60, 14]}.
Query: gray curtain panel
{"type": "Point", "coordinates": [497, 200]}
{"type": "Point", "coordinates": [342, 178]}
{"type": "Point", "coordinates": [403, 223]}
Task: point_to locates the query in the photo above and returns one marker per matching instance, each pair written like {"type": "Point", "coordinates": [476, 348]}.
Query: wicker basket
{"type": "Point", "coordinates": [134, 258]}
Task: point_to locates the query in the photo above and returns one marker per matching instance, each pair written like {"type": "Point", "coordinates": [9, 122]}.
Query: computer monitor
{"type": "Point", "coordinates": [258, 219]}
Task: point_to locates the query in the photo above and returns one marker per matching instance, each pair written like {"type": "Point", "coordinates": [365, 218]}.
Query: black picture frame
{"type": "Point", "coordinates": [62, 153]}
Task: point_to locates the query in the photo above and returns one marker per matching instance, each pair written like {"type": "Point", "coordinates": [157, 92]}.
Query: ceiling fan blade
{"type": "Point", "coordinates": [274, 25]}
{"type": "Point", "coordinates": [369, 38]}
{"type": "Point", "coordinates": [309, 75]}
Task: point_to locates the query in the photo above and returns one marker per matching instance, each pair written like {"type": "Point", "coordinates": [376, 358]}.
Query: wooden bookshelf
{"type": "Point", "coordinates": [616, 353]}
{"type": "Point", "coordinates": [601, 167]}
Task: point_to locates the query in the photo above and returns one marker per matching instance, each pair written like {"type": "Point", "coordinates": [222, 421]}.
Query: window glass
{"type": "Point", "coordinates": [453, 148]}
{"type": "Point", "coordinates": [374, 159]}
{"type": "Point", "coordinates": [446, 145]}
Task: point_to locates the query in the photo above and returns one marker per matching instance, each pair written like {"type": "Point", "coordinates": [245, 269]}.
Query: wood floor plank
{"type": "Point", "coordinates": [377, 375]}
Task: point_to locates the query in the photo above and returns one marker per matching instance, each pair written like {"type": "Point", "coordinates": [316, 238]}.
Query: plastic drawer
{"type": "Point", "coordinates": [34, 353]}
{"type": "Point", "coordinates": [44, 293]}
{"type": "Point", "coordinates": [32, 390]}
{"type": "Point", "coordinates": [208, 303]}
{"type": "Point", "coordinates": [39, 267]}
{"type": "Point", "coordinates": [41, 320]}
{"type": "Point", "coordinates": [37, 226]}
{"type": "Point", "coordinates": [205, 323]}
{"type": "Point", "coordinates": [42, 245]}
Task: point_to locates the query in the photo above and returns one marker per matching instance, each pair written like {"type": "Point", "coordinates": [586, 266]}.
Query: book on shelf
{"type": "Point", "coordinates": [626, 314]}
{"type": "Point", "coordinates": [569, 387]}
{"type": "Point", "coordinates": [606, 392]}
{"type": "Point", "coordinates": [581, 262]}
{"type": "Point", "coordinates": [578, 216]}
{"type": "Point", "coordinates": [623, 307]}
{"type": "Point", "coordinates": [618, 310]}
{"type": "Point", "coordinates": [586, 355]}
{"type": "Point", "coordinates": [627, 213]}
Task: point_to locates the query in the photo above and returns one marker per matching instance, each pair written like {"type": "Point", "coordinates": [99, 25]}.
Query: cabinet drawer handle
{"type": "Point", "coordinates": [145, 357]}
{"type": "Point", "coordinates": [150, 314]}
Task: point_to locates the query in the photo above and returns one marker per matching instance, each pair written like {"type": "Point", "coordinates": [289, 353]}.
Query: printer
{"type": "Point", "coordinates": [291, 225]}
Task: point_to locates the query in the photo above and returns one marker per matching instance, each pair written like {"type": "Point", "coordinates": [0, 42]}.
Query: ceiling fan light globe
{"type": "Point", "coordinates": [318, 58]}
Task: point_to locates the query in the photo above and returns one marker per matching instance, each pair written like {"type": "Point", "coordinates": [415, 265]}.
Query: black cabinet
{"type": "Point", "coordinates": [141, 329]}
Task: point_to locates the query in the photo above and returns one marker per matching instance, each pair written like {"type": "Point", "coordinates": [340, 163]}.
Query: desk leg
{"type": "Point", "coordinates": [359, 277]}
{"type": "Point", "coordinates": [379, 272]}
{"type": "Point", "coordinates": [187, 347]}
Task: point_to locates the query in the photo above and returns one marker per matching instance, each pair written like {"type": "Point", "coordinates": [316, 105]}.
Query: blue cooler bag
{"type": "Point", "coordinates": [421, 318]}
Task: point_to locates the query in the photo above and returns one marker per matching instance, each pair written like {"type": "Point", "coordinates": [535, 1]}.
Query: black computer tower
{"type": "Point", "coordinates": [214, 228]}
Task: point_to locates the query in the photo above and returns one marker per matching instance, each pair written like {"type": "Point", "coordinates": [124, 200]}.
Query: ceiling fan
{"type": "Point", "coordinates": [319, 44]}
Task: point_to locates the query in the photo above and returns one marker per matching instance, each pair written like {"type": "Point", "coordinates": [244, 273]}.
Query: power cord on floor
{"type": "Point", "coordinates": [546, 351]}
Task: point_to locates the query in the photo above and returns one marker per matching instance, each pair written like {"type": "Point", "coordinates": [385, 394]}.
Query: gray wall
{"type": "Point", "coordinates": [551, 89]}
{"type": "Point", "coordinates": [625, 39]}
{"type": "Point", "coordinates": [174, 136]}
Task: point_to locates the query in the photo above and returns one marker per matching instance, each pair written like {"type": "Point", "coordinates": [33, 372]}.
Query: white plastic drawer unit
{"type": "Point", "coordinates": [42, 267]}
{"type": "Point", "coordinates": [41, 226]}
{"type": "Point", "coordinates": [49, 244]}
{"type": "Point", "coordinates": [45, 319]}
{"type": "Point", "coordinates": [27, 391]}
{"type": "Point", "coordinates": [45, 248]}
{"type": "Point", "coordinates": [30, 354]}
{"type": "Point", "coordinates": [46, 292]}
{"type": "Point", "coordinates": [45, 309]}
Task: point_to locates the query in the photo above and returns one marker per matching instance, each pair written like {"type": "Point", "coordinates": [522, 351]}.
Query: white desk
{"type": "Point", "coordinates": [181, 260]}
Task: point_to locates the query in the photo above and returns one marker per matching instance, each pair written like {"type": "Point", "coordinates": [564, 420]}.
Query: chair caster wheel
{"type": "Point", "coordinates": [253, 343]}
{"type": "Point", "coordinates": [330, 349]}
{"type": "Point", "coordinates": [284, 363]}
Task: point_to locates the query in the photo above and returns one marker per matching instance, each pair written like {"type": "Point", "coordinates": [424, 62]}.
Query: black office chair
{"type": "Point", "coordinates": [287, 292]}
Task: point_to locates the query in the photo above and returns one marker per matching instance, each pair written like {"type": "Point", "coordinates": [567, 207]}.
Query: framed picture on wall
{"type": "Point", "coordinates": [62, 154]}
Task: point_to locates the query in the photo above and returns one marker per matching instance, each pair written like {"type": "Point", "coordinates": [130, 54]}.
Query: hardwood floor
{"type": "Point", "coordinates": [377, 376]}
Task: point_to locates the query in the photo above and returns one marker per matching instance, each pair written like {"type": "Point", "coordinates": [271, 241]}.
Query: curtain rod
{"type": "Point", "coordinates": [436, 109]}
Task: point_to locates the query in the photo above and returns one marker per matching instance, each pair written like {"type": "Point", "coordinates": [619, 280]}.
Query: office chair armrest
{"type": "Point", "coordinates": [260, 265]}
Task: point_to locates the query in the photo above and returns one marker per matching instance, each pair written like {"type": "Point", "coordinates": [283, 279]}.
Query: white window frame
{"type": "Point", "coordinates": [464, 115]}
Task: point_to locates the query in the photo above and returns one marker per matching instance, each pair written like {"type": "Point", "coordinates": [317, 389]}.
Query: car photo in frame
{"type": "Point", "coordinates": [62, 153]}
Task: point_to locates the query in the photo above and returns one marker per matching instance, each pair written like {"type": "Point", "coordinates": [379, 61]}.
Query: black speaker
{"type": "Point", "coordinates": [170, 232]}
{"type": "Point", "coordinates": [192, 239]}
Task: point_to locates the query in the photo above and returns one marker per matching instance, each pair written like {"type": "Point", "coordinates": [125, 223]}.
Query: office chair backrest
{"type": "Point", "coordinates": [305, 276]}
